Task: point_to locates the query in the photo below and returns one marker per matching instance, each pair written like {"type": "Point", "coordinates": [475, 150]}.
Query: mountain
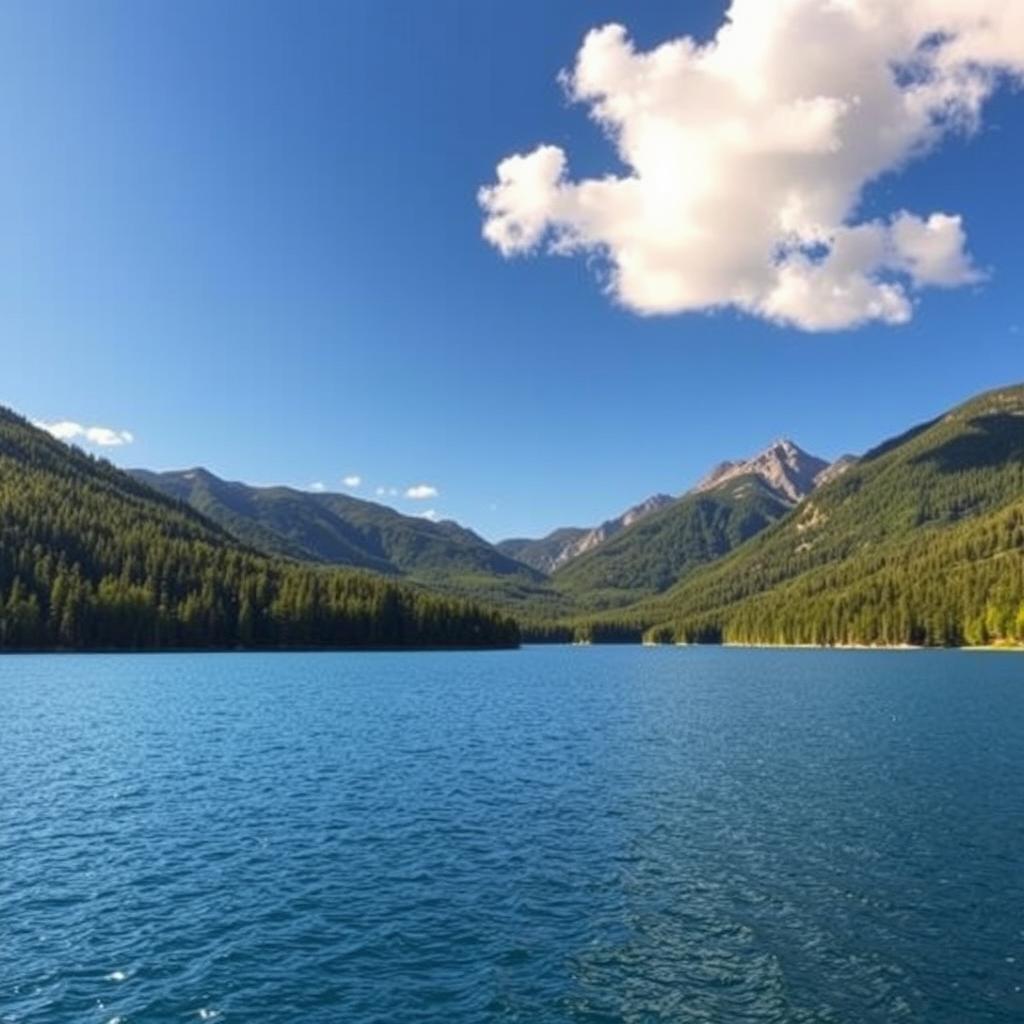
{"type": "Point", "coordinates": [91, 558]}
{"type": "Point", "coordinates": [664, 546]}
{"type": "Point", "coordinates": [545, 554]}
{"type": "Point", "coordinates": [784, 467]}
{"type": "Point", "coordinates": [561, 546]}
{"type": "Point", "coordinates": [337, 529]}
{"type": "Point", "coordinates": [736, 500]}
{"type": "Point", "coordinates": [921, 541]}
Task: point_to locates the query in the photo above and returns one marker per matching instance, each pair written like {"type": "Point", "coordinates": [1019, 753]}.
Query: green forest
{"type": "Point", "coordinates": [91, 559]}
{"type": "Point", "coordinates": [667, 545]}
{"type": "Point", "coordinates": [920, 542]}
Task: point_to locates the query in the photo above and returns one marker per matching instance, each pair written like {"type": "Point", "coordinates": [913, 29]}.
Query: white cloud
{"type": "Point", "coordinates": [103, 437]}
{"type": "Point", "coordinates": [353, 480]}
{"type": "Point", "coordinates": [748, 155]}
{"type": "Point", "coordinates": [421, 492]}
{"type": "Point", "coordinates": [318, 487]}
{"type": "Point", "coordinates": [430, 514]}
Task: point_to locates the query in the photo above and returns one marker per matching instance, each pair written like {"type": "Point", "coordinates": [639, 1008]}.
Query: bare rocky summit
{"type": "Point", "coordinates": [784, 466]}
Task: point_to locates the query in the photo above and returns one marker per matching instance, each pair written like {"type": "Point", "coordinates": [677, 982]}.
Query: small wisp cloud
{"type": "Point", "coordinates": [748, 157]}
{"type": "Point", "coordinates": [421, 492]}
{"type": "Point", "coordinates": [352, 481]}
{"type": "Point", "coordinates": [102, 437]}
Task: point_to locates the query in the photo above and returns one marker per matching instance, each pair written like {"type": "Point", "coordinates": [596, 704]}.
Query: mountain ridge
{"type": "Point", "coordinates": [783, 466]}
{"type": "Point", "coordinates": [918, 541]}
{"type": "Point", "coordinates": [549, 553]}
{"type": "Point", "coordinates": [330, 528]}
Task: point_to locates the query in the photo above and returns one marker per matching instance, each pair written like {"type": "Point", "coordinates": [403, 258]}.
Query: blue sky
{"type": "Point", "coordinates": [248, 234]}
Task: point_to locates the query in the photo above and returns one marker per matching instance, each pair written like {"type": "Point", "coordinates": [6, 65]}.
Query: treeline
{"type": "Point", "coordinates": [90, 559]}
{"type": "Point", "coordinates": [964, 586]}
{"type": "Point", "coordinates": [946, 588]}
{"type": "Point", "coordinates": [584, 631]}
{"type": "Point", "coordinates": [961, 586]}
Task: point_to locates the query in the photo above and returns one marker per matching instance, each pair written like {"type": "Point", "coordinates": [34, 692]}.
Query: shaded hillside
{"type": "Point", "coordinates": [92, 558]}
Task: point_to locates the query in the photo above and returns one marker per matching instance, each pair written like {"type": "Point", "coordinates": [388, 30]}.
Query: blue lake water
{"type": "Point", "coordinates": [555, 834]}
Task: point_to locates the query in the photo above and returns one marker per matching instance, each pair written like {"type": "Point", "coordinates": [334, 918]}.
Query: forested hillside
{"type": "Point", "coordinates": [90, 558]}
{"type": "Point", "coordinates": [922, 542]}
{"type": "Point", "coordinates": [337, 529]}
{"type": "Point", "coordinates": [667, 545]}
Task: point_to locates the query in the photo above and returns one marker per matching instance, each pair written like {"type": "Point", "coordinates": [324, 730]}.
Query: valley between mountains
{"type": "Point", "coordinates": [919, 541]}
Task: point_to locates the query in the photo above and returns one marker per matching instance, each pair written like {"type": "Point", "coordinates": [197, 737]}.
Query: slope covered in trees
{"type": "Point", "coordinates": [922, 542]}
{"type": "Point", "coordinates": [664, 547]}
{"type": "Point", "coordinates": [337, 529]}
{"type": "Point", "coordinates": [91, 558]}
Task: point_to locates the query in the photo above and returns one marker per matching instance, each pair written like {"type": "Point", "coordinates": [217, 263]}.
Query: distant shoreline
{"type": "Point", "coordinates": [974, 648]}
{"type": "Point", "coordinates": [978, 648]}
{"type": "Point", "coordinates": [1011, 648]}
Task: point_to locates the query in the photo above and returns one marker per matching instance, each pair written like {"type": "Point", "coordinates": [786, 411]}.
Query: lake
{"type": "Point", "coordinates": [556, 834]}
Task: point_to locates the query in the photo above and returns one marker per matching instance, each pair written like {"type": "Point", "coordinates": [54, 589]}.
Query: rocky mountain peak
{"type": "Point", "coordinates": [784, 466]}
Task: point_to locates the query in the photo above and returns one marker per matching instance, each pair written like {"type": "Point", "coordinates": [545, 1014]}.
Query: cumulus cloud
{"type": "Point", "coordinates": [421, 492]}
{"type": "Point", "coordinates": [103, 437]}
{"type": "Point", "coordinates": [352, 481]}
{"type": "Point", "coordinates": [432, 514]}
{"type": "Point", "coordinates": [747, 157]}
{"type": "Point", "coordinates": [318, 487]}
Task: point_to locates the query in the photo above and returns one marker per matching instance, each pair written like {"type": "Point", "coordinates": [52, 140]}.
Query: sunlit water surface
{"type": "Point", "coordinates": [602, 834]}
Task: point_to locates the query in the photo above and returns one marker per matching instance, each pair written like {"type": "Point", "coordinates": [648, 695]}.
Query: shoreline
{"type": "Point", "coordinates": [72, 651]}
{"type": "Point", "coordinates": [976, 648]}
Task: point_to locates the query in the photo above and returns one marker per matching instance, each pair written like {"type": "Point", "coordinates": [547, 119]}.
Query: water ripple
{"type": "Point", "coordinates": [602, 835]}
